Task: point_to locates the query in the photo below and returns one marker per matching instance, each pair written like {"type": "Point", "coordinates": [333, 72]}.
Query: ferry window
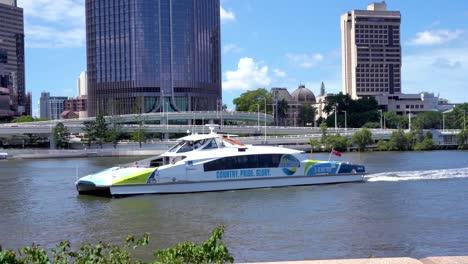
{"type": "Point", "coordinates": [188, 146]}
{"type": "Point", "coordinates": [244, 162]}
{"type": "Point", "coordinates": [212, 144]}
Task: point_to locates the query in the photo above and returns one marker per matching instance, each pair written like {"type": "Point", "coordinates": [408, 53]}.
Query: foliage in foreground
{"type": "Point", "coordinates": [211, 251]}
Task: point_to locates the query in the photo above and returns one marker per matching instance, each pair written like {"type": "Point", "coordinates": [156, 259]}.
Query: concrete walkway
{"type": "Point", "coordinates": [428, 260]}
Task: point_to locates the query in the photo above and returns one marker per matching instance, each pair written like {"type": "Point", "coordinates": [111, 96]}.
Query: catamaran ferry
{"type": "Point", "coordinates": [216, 162]}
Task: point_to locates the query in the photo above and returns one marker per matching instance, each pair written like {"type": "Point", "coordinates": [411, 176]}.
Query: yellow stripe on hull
{"type": "Point", "coordinates": [135, 178]}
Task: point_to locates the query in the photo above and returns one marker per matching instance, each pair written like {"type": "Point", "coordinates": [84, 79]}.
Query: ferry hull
{"type": "Point", "coordinates": [92, 189]}
{"type": "Point", "coordinates": [226, 185]}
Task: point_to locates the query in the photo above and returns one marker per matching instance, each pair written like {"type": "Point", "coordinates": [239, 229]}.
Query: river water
{"type": "Point", "coordinates": [413, 204]}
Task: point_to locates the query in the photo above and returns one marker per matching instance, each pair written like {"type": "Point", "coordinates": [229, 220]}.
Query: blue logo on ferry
{"type": "Point", "coordinates": [289, 163]}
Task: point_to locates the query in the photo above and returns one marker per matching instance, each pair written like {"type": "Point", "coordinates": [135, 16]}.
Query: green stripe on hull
{"type": "Point", "coordinates": [135, 178]}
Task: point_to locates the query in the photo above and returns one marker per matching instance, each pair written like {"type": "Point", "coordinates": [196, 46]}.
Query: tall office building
{"type": "Point", "coordinates": [12, 80]}
{"type": "Point", "coordinates": [371, 51]}
{"type": "Point", "coordinates": [51, 107]}
{"type": "Point", "coordinates": [153, 55]}
{"type": "Point", "coordinates": [82, 84]}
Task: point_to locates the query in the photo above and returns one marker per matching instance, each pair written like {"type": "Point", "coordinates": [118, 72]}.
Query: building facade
{"type": "Point", "coordinates": [371, 51]}
{"type": "Point", "coordinates": [153, 55]}
{"type": "Point", "coordinates": [51, 107]}
{"type": "Point", "coordinates": [12, 69]}
{"type": "Point", "coordinates": [82, 84]}
{"type": "Point", "coordinates": [295, 102]}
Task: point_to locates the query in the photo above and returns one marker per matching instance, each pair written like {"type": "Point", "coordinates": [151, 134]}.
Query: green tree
{"type": "Point", "coordinates": [89, 132]}
{"type": "Point", "coordinates": [139, 135]}
{"type": "Point", "coordinates": [392, 120]}
{"type": "Point", "coordinates": [337, 142]}
{"type": "Point", "coordinates": [398, 141]}
{"type": "Point", "coordinates": [248, 101]}
{"type": "Point", "coordinates": [322, 89]}
{"type": "Point", "coordinates": [61, 135]}
{"type": "Point", "coordinates": [427, 120]}
{"type": "Point", "coordinates": [426, 144]}
{"type": "Point", "coordinates": [113, 134]}
{"type": "Point", "coordinates": [323, 130]}
{"type": "Point", "coordinates": [306, 114]}
{"type": "Point", "coordinates": [100, 130]}
{"type": "Point", "coordinates": [28, 118]}
{"type": "Point", "coordinates": [383, 145]}
{"type": "Point", "coordinates": [362, 138]}
{"type": "Point", "coordinates": [359, 111]}
{"type": "Point", "coordinates": [463, 139]}
{"type": "Point", "coordinates": [456, 118]}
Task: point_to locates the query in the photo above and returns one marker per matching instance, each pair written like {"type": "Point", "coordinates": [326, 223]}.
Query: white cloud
{"type": "Point", "coordinates": [305, 60]}
{"type": "Point", "coordinates": [227, 16]}
{"type": "Point", "coordinates": [232, 48]}
{"type": "Point", "coordinates": [280, 73]}
{"type": "Point", "coordinates": [48, 37]}
{"type": "Point", "coordinates": [54, 24]}
{"type": "Point", "coordinates": [437, 70]}
{"type": "Point", "coordinates": [69, 11]}
{"type": "Point", "coordinates": [434, 37]}
{"type": "Point", "coordinates": [249, 75]}
{"type": "Point", "coordinates": [445, 63]}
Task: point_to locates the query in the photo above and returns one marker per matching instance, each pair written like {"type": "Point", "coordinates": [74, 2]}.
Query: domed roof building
{"type": "Point", "coordinates": [295, 101]}
{"type": "Point", "coordinates": [302, 95]}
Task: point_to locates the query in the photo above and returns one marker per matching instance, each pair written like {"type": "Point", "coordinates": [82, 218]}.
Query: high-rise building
{"type": "Point", "coordinates": [12, 79]}
{"type": "Point", "coordinates": [82, 84]}
{"type": "Point", "coordinates": [51, 106]}
{"type": "Point", "coordinates": [371, 51]}
{"type": "Point", "coordinates": [153, 55]}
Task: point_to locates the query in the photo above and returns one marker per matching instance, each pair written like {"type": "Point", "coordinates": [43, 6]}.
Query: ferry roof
{"type": "Point", "coordinates": [196, 137]}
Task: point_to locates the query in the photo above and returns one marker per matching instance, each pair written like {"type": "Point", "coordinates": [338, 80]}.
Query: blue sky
{"type": "Point", "coordinates": [270, 43]}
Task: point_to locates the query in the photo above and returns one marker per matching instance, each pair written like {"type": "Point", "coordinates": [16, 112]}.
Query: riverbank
{"type": "Point", "coordinates": [428, 260]}
{"type": "Point", "coordinates": [77, 153]}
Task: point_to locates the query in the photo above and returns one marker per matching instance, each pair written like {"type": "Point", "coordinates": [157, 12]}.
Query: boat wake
{"type": "Point", "coordinates": [418, 175]}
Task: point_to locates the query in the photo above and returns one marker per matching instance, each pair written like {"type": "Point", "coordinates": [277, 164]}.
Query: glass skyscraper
{"type": "Point", "coordinates": [12, 69]}
{"type": "Point", "coordinates": [153, 55]}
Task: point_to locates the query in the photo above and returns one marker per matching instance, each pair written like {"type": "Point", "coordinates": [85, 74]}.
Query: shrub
{"type": "Point", "coordinates": [212, 251]}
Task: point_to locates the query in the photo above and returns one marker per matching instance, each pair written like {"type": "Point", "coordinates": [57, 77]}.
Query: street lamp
{"type": "Point", "coordinates": [258, 116]}
{"type": "Point", "coordinates": [336, 122]}
{"type": "Point", "coordinates": [167, 115]}
{"type": "Point", "coordinates": [409, 118]}
{"type": "Point", "coordinates": [264, 98]}
{"type": "Point", "coordinates": [345, 120]}
{"type": "Point", "coordinates": [381, 118]}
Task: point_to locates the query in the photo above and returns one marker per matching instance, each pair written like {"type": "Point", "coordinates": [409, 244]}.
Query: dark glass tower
{"type": "Point", "coordinates": [12, 79]}
{"type": "Point", "coordinates": [153, 55]}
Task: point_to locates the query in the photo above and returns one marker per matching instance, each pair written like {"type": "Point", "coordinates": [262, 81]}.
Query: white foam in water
{"type": "Point", "coordinates": [418, 175]}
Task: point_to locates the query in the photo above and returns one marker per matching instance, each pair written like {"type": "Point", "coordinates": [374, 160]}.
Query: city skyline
{"type": "Point", "coordinates": [259, 49]}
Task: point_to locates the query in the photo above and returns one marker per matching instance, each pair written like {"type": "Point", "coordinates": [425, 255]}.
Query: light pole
{"type": "Point", "coordinates": [409, 118]}
{"type": "Point", "coordinates": [381, 118]}
{"type": "Point", "coordinates": [167, 116]}
{"type": "Point", "coordinates": [258, 116]}
{"type": "Point", "coordinates": [336, 122]}
{"type": "Point", "coordinates": [345, 120]}
{"type": "Point", "coordinates": [464, 120]}
{"type": "Point", "coordinates": [264, 98]}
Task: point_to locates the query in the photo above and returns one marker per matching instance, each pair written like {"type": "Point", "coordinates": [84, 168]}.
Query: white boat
{"type": "Point", "coordinates": [216, 162]}
{"type": "Point", "coordinates": [3, 155]}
